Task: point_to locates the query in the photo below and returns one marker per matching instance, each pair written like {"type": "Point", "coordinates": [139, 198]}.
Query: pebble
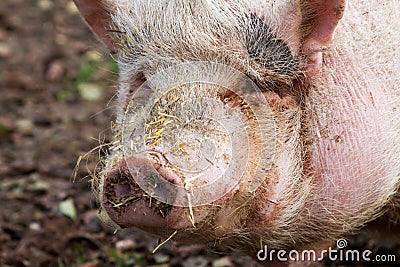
{"type": "Point", "coordinates": [24, 126]}
{"type": "Point", "coordinates": [195, 262]}
{"type": "Point", "coordinates": [55, 71]}
{"type": "Point", "coordinates": [5, 50]}
{"type": "Point", "coordinates": [44, 4]}
{"type": "Point", "coordinates": [35, 226]}
{"type": "Point", "coordinates": [222, 262]}
{"type": "Point", "coordinates": [90, 91]}
{"type": "Point", "coordinates": [125, 245]}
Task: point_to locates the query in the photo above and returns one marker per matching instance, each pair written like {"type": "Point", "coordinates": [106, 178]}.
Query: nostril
{"type": "Point", "coordinates": [122, 190]}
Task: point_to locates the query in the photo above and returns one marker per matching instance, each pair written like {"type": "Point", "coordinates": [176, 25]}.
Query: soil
{"type": "Point", "coordinates": [54, 108]}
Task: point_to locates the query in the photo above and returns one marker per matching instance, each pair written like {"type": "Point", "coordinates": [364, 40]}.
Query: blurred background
{"type": "Point", "coordinates": [56, 105]}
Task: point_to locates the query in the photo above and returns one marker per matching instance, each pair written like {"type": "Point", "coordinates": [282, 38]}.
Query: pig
{"type": "Point", "coordinates": [252, 123]}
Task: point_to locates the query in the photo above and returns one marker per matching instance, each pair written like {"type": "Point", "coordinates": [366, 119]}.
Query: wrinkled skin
{"type": "Point", "coordinates": [326, 70]}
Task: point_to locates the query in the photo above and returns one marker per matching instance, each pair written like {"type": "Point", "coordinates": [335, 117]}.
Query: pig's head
{"type": "Point", "coordinates": [220, 133]}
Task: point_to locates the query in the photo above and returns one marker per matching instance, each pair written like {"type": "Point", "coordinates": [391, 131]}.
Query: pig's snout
{"type": "Point", "coordinates": [128, 204]}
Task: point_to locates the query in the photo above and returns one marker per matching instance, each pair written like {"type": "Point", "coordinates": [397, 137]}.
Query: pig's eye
{"type": "Point", "coordinates": [267, 49]}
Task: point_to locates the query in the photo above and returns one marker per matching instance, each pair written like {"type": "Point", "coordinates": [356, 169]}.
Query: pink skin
{"type": "Point", "coordinates": [350, 163]}
{"type": "Point", "coordinates": [328, 14]}
{"type": "Point", "coordinates": [96, 15]}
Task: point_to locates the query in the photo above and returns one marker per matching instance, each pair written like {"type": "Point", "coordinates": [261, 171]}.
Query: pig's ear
{"type": "Point", "coordinates": [319, 21]}
{"type": "Point", "coordinates": [96, 15]}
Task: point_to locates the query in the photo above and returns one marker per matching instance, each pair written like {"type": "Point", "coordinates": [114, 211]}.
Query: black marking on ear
{"type": "Point", "coordinates": [267, 49]}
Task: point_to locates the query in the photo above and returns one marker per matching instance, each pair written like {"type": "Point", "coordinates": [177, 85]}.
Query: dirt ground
{"type": "Point", "coordinates": [55, 107]}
